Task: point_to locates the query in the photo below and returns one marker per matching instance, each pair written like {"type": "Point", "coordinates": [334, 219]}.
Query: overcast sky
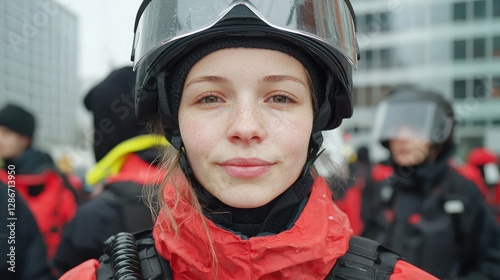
{"type": "Point", "coordinates": [105, 34]}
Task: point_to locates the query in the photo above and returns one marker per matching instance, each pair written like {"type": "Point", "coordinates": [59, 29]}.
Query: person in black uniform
{"type": "Point", "coordinates": [421, 207]}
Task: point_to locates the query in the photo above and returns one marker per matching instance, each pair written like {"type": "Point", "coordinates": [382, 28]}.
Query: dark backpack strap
{"type": "Point", "coordinates": [462, 221]}
{"type": "Point", "coordinates": [365, 259]}
{"type": "Point", "coordinates": [132, 256]}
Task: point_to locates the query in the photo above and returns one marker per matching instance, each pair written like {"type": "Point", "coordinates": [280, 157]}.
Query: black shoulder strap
{"type": "Point", "coordinates": [132, 256]}
{"type": "Point", "coordinates": [461, 218]}
{"type": "Point", "coordinates": [365, 260]}
{"type": "Point", "coordinates": [462, 221]}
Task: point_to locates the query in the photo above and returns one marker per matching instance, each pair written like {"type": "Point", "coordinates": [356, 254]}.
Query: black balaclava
{"type": "Point", "coordinates": [279, 214]}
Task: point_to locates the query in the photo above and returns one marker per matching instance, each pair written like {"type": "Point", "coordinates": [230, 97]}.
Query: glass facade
{"type": "Point", "coordinates": [38, 51]}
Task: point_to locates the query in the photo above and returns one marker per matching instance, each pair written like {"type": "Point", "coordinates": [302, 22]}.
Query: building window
{"type": "Point", "coordinates": [359, 97]}
{"type": "Point", "coordinates": [479, 9]}
{"type": "Point", "coordinates": [375, 22]}
{"type": "Point", "coordinates": [477, 123]}
{"type": "Point", "coordinates": [459, 89]}
{"type": "Point", "coordinates": [369, 24]}
{"type": "Point", "coordinates": [496, 46]}
{"type": "Point", "coordinates": [386, 58]}
{"type": "Point", "coordinates": [495, 91]}
{"type": "Point", "coordinates": [368, 59]}
{"type": "Point", "coordinates": [459, 50]}
{"type": "Point", "coordinates": [385, 21]}
{"type": "Point", "coordinates": [479, 48]}
{"type": "Point", "coordinates": [479, 88]}
{"type": "Point", "coordinates": [367, 96]}
{"type": "Point", "coordinates": [496, 8]}
{"type": "Point", "coordinates": [360, 22]}
{"type": "Point", "coordinates": [357, 93]}
{"type": "Point", "coordinates": [459, 11]}
{"type": "Point", "coordinates": [369, 92]}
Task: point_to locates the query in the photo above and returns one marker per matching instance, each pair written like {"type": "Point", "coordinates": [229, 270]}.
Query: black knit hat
{"type": "Point", "coordinates": [175, 80]}
{"type": "Point", "coordinates": [18, 119]}
{"type": "Point", "coordinates": [112, 103]}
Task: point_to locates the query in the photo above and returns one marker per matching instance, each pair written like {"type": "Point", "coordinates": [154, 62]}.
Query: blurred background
{"type": "Point", "coordinates": [452, 46]}
{"type": "Point", "coordinates": [53, 51]}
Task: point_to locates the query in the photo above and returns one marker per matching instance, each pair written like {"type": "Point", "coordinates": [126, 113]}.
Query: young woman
{"type": "Point", "coordinates": [242, 90]}
{"type": "Point", "coordinates": [420, 205]}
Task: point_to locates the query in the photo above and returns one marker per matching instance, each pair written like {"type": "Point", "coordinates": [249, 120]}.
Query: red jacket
{"type": "Point", "coordinates": [351, 204]}
{"type": "Point", "coordinates": [115, 210]}
{"type": "Point", "coordinates": [308, 250]}
{"type": "Point", "coordinates": [491, 195]}
{"type": "Point", "coordinates": [52, 207]}
{"type": "Point", "coordinates": [472, 170]}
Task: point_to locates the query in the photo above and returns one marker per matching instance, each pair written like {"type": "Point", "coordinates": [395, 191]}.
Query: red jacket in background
{"type": "Point", "coordinates": [471, 170]}
{"type": "Point", "coordinates": [52, 203]}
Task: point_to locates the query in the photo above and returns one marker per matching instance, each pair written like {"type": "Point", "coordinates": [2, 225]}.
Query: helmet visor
{"type": "Point", "coordinates": [418, 120]}
{"type": "Point", "coordinates": [163, 22]}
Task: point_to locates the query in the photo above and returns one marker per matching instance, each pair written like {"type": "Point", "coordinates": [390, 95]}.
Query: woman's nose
{"type": "Point", "coordinates": [247, 123]}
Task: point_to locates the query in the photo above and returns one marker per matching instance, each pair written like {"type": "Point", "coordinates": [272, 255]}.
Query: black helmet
{"type": "Point", "coordinates": [167, 30]}
{"type": "Point", "coordinates": [424, 114]}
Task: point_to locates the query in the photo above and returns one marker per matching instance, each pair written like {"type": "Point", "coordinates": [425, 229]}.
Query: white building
{"type": "Point", "coordinates": [452, 46]}
{"type": "Point", "coordinates": [38, 69]}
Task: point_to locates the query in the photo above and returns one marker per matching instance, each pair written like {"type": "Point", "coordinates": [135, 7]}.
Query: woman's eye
{"type": "Point", "coordinates": [210, 99]}
{"type": "Point", "coordinates": [280, 99]}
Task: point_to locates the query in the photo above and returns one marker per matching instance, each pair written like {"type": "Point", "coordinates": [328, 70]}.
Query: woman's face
{"type": "Point", "coordinates": [408, 151]}
{"type": "Point", "coordinates": [245, 119]}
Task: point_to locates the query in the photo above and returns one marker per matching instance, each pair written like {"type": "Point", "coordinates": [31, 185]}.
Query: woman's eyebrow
{"type": "Point", "coordinates": [210, 79]}
{"type": "Point", "coordinates": [281, 78]}
{"type": "Point", "coordinates": [268, 79]}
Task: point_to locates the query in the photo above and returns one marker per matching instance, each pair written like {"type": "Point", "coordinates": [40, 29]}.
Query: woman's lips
{"type": "Point", "coordinates": [246, 168]}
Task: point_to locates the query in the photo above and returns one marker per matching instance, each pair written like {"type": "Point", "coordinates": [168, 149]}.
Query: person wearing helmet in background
{"type": "Point", "coordinates": [243, 90]}
{"type": "Point", "coordinates": [482, 168]}
{"type": "Point", "coordinates": [421, 206]}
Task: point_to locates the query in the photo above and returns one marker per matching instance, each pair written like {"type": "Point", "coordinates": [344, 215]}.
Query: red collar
{"type": "Point", "coordinates": [307, 251]}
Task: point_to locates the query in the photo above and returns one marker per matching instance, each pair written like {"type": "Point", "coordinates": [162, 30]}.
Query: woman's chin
{"type": "Point", "coordinates": [245, 200]}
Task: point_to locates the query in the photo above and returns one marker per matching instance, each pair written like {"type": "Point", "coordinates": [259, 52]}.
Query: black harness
{"type": "Point", "coordinates": [134, 256]}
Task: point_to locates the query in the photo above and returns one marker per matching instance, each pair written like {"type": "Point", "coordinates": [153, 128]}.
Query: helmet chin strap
{"type": "Point", "coordinates": [313, 153]}
{"type": "Point", "coordinates": [188, 172]}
